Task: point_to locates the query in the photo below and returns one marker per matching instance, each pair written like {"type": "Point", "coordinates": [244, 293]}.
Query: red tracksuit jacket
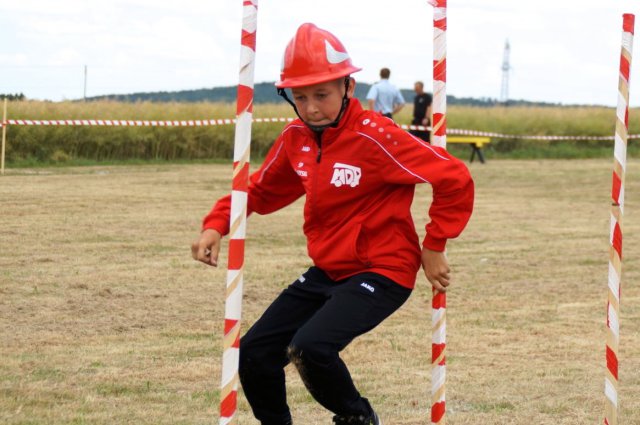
{"type": "Point", "coordinates": [359, 181]}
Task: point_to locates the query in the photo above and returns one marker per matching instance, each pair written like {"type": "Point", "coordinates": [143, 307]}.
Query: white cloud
{"type": "Point", "coordinates": [64, 57]}
{"type": "Point", "coordinates": [14, 59]}
{"type": "Point", "coordinates": [562, 50]}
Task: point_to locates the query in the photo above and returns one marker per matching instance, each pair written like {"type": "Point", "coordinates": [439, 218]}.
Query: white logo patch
{"type": "Point", "coordinates": [306, 148]}
{"type": "Point", "coordinates": [334, 56]}
{"type": "Point", "coordinates": [345, 174]}
{"type": "Point", "coordinates": [301, 173]}
{"type": "Point", "coordinates": [368, 287]}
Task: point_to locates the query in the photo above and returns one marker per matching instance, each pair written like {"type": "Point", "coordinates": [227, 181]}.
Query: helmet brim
{"type": "Point", "coordinates": [309, 80]}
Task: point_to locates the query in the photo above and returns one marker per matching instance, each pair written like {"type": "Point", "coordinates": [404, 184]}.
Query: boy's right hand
{"type": "Point", "coordinates": [207, 247]}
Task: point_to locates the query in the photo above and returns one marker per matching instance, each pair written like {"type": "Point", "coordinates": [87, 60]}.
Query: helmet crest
{"type": "Point", "coordinates": [334, 56]}
{"type": "Point", "coordinates": [314, 56]}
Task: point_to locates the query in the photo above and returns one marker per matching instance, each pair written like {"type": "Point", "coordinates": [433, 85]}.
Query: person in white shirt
{"type": "Point", "coordinates": [384, 97]}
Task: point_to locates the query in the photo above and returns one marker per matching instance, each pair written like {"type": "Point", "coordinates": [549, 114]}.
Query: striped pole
{"type": "Point", "coordinates": [617, 210]}
{"type": "Point", "coordinates": [439, 133]}
{"type": "Point", "coordinates": [439, 138]}
{"type": "Point", "coordinates": [4, 136]}
{"type": "Point", "coordinates": [238, 217]}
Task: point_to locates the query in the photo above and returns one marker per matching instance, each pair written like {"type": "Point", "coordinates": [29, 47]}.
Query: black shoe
{"type": "Point", "coordinates": [372, 419]}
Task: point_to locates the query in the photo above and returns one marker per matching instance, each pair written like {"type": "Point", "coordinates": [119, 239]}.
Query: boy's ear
{"type": "Point", "coordinates": [352, 87]}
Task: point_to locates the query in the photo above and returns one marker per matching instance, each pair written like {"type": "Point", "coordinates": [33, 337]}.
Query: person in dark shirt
{"type": "Point", "coordinates": [421, 111]}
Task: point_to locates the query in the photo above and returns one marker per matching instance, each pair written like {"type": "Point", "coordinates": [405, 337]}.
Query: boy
{"type": "Point", "coordinates": [358, 171]}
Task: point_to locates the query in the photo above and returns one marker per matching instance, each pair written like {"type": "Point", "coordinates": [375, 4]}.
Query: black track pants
{"type": "Point", "coordinates": [309, 323]}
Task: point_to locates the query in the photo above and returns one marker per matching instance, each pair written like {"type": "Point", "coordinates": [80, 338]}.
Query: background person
{"type": "Point", "coordinates": [421, 111]}
{"type": "Point", "coordinates": [357, 171]}
{"type": "Point", "coordinates": [384, 97]}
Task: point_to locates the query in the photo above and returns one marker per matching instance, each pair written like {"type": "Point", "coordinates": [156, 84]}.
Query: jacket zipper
{"type": "Point", "coordinates": [319, 143]}
{"type": "Point", "coordinates": [314, 183]}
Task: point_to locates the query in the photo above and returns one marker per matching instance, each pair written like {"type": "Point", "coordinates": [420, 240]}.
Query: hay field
{"type": "Point", "coordinates": [105, 319]}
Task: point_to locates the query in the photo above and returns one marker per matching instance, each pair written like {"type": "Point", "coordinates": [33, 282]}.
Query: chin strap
{"type": "Point", "coordinates": [321, 128]}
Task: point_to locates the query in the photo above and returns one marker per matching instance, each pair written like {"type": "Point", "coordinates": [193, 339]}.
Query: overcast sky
{"type": "Point", "coordinates": [561, 50]}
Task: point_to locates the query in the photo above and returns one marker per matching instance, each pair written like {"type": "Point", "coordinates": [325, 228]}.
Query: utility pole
{"type": "Point", "coordinates": [84, 96]}
{"type": "Point", "coordinates": [504, 91]}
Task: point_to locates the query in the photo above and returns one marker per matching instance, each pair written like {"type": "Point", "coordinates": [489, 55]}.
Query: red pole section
{"type": "Point", "coordinates": [238, 217]}
{"type": "Point", "coordinates": [617, 210]}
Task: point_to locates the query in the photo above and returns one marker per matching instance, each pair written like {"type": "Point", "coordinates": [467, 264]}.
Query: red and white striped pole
{"type": "Point", "coordinates": [238, 218]}
{"type": "Point", "coordinates": [439, 138]}
{"type": "Point", "coordinates": [617, 210]}
{"type": "Point", "coordinates": [439, 126]}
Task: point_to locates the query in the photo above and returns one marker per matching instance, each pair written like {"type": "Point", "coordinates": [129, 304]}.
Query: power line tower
{"type": "Point", "coordinates": [504, 91]}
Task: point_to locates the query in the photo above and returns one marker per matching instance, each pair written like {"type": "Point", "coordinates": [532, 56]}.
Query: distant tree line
{"type": "Point", "coordinates": [266, 93]}
{"type": "Point", "coordinates": [17, 96]}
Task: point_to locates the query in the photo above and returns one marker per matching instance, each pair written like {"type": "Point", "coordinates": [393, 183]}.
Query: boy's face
{"type": "Point", "coordinates": [320, 104]}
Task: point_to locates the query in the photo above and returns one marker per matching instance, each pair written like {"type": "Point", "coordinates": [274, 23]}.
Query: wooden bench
{"type": "Point", "coordinates": [476, 143]}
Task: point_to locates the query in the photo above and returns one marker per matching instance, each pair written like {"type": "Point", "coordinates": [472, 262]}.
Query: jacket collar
{"type": "Point", "coordinates": [353, 109]}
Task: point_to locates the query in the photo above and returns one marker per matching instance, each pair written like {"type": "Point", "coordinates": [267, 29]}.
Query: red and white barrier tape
{"type": "Point", "coordinates": [227, 121]}
{"type": "Point", "coordinates": [139, 123]}
{"type": "Point", "coordinates": [462, 132]}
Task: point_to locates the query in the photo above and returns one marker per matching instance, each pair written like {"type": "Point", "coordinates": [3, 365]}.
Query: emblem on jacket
{"type": "Point", "coordinates": [301, 173]}
{"type": "Point", "coordinates": [345, 174]}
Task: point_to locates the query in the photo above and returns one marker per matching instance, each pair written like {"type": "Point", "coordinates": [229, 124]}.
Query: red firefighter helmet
{"type": "Point", "coordinates": [314, 56]}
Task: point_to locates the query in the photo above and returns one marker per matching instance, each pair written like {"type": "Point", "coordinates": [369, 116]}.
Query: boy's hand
{"type": "Point", "coordinates": [436, 269]}
{"type": "Point", "coordinates": [207, 247]}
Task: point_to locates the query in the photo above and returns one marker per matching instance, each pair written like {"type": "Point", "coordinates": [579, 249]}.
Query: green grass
{"type": "Point", "coordinates": [83, 162]}
{"type": "Point", "coordinates": [36, 146]}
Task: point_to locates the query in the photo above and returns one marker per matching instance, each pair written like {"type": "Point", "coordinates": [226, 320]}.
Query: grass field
{"type": "Point", "coordinates": [105, 319]}
{"type": "Point", "coordinates": [35, 146]}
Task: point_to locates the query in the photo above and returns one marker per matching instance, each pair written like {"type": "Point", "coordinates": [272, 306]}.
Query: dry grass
{"type": "Point", "coordinates": [105, 319]}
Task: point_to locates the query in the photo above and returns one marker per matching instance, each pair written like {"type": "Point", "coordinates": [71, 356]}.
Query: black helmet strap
{"type": "Point", "coordinates": [334, 123]}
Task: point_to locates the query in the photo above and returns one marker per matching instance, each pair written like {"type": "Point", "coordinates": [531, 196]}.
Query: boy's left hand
{"type": "Point", "coordinates": [436, 269]}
